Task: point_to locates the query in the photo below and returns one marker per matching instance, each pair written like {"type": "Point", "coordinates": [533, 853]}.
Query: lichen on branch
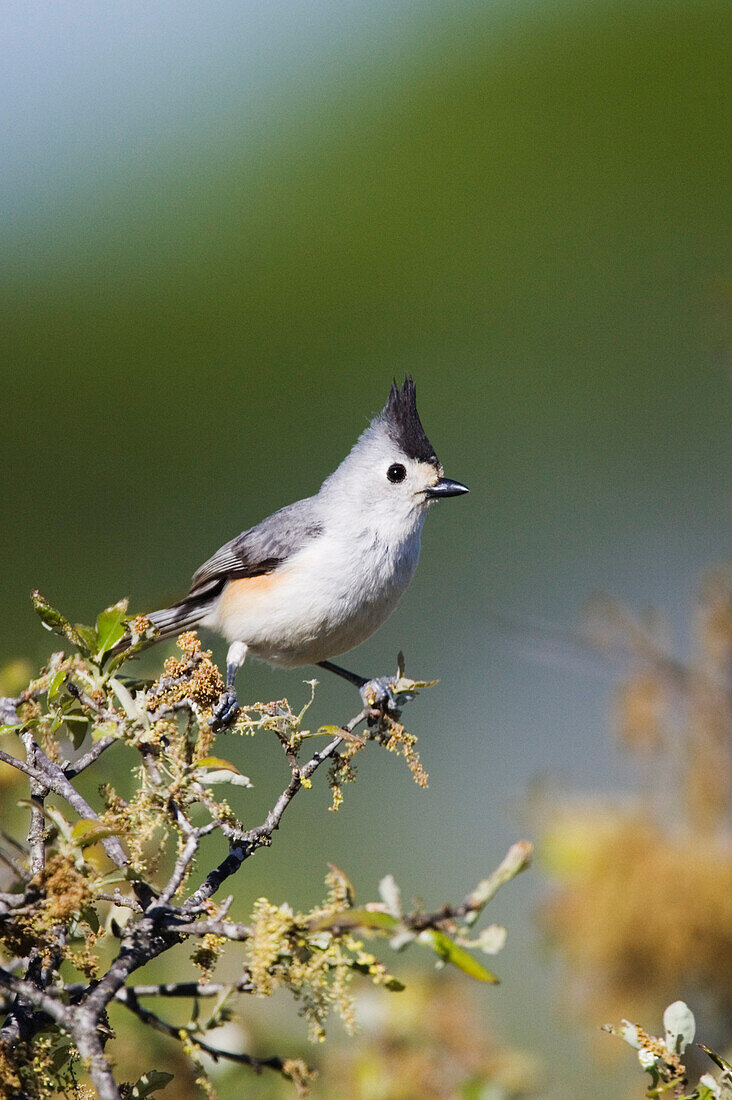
{"type": "Point", "coordinates": [110, 884]}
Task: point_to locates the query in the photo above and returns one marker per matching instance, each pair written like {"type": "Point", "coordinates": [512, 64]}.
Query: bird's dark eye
{"type": "Point", "coordinates": [396, 473]}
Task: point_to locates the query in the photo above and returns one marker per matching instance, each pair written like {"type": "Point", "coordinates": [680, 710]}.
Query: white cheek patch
{"type": "Point", "coordinates": [428, 474]}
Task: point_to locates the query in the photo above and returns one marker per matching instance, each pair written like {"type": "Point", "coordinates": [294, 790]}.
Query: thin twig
{"type": "Point", "coordinates": [189, 989]}
{"type": "Point", "coordinates": [129, 1000]}
{"type": "Point", "coordinates": [22, 872]}
{"type": "Point", "coordinates": [85, 1034]}
{"type": "Point", "coordinates": [30, 992]}
{"type": "Point", "coordinates": [38, 792]}
{"type": "Point", "coordinates": [50, 777]}
{"type": "Point", "coordinates": [231, 930]}
{"type": "Point", "coordinates": [183, 862]}
{"type": "Point", "coordinates": [22, 766]}
{"type": "Point", "coordinates": [72, 768]}
{"type": "Point", "coordinates": [123, 900]}
{"type": "Point", "coordinates": [255, 838]}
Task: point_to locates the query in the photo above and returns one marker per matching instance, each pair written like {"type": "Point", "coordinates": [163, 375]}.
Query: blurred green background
{"type": "Point", "coordinates": [226, 228]}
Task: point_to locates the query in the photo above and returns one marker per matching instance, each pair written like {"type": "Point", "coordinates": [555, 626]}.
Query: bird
{"type": "Point", "coordinates": [319, 576]}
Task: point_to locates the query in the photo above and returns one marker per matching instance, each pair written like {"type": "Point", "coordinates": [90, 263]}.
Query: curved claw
{"type": "Point", "coordinates": [378, 694]}
{"type": "Point", "coordinates": [225, 710]}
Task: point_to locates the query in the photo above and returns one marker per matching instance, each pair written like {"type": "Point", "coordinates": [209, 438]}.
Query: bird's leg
{"type": "Point", "coordinates": [376, 693]}
{"type": "Point", "coordinates": [352, 677]}
{"type": "Point", "coordinates": [227, 707]}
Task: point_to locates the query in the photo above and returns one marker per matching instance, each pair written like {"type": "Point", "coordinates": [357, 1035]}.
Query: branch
{"type": "Point", "coordinates": [255, 838]}
{"type": "Point", "coordinates": [183, 862]}
{"type": "Point", "coordinates": [149, 937]}
{"type": "Point", "coordinates": [516, 860]}
{"type": "Point", "coordinates": [171, 989]}
{"type": "Point", "coordinates": [231, 930]}
{"type": "Point", "coordinates": [30, 992]}
{"type": "Point", "coordinates": [144, 942]}
{"type": "Point", "coordinates": [188, 989]}
{"type": "Point", "coordinates": [51, 777]}
{"type": "Point", "coordinates": [22, 873]}
{"type": "Point", "coordinates": [91, 1048]}
{"type": "Point", "coordinates": [17, 1018]}
{"type": "Point", "coordinates": [129, 1000]}
{"type": "Point", "coordinates": [15, 762]}
{"type": "Point", "coordinates": [123, 900]}
{"type": "Point", "coordinates": [72, 768]}
{"type": "Point", "coordinates": [38, 791]}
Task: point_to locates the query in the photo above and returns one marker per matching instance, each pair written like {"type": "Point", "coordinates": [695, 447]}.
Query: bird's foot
{"type": "Point", "coordinates": [379, 696]}
{"type": "Point", "coordinates": [225, 710]}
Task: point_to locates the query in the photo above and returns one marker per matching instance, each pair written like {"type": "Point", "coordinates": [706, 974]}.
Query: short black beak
{"type": "Point", "coordinates": [446, 488]}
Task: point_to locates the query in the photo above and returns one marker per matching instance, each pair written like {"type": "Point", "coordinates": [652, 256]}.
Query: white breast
{"type": "Point", "coordinates": [324, 600]}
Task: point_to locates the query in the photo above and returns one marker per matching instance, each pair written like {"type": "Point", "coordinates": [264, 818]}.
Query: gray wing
{"type": "Point", "coordinates": [261, 549]}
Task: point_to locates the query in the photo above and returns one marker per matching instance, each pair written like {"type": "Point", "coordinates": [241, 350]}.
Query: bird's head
{"type": "Point", "coordinates": [392, 475]}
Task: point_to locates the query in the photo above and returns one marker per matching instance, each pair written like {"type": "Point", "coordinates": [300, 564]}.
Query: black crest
{"type": "Point", "coordinates": [401, 420]}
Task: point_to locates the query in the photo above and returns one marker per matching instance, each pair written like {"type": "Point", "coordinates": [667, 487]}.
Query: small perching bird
{"type": "Point", "coordinates": [319, 576]}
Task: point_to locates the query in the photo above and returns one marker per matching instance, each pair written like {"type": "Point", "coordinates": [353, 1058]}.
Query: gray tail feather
{"type": "Point", "coordinates": [171, 621]}
{"type": "Point", "coordinates": [182, 616]}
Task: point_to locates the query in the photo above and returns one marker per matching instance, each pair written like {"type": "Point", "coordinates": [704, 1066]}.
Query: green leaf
{"type": "Point", "coordinates": [343, 884]}
{"type": "Point", "coordinates": [149, 1083]}
{"type": "Point", "coordinates": [405, 686]}
{"type": "Point", "coordinates": [55, 621]}
{"type": "Point", "coordinates": [222, 1011]}
{"type": "Point", "coordinates": [88, 636]}
{"type": "Point", "coordinates": [212, 770]}
{"type": "Point", "coordinates": [339, 731]}
{"type": "Point", "coordinates": [106, 729]}
{"type": "Point", "coordinates": [357, 918]}
{"type": "Point", "coordinates": [216, 762]}
{"type": "Point", "coordinates": [12, 729]}
{"type": "Point", "coordinates": [110, 627]}
{"type": "Point", "coordinates": [88, 832]}
{"type": "Point", "coordinates": [89, 914]}
{"type": "Point", "coordinates": [112, 877]}
{"type": "Point", "coordinates": [60, 1055]}
{"type": "Point", "coordinates": [56, 683]}
{"type": "Point", "coordinates": [78, 727]}
{"type": "Point", "coordinates": [81, 828]}
{"type": "Point", "coordinates": [137, 643]}
{"type": "Point", "coordinates": [392, 984]}
{"type": "Point", "coordinates": [359, 967]}
{"type": "Point", "coordinates": [443, 946]}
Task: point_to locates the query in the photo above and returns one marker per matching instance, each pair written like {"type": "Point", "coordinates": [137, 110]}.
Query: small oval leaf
{"type": "Point", "coordinates": [357, 918]}
{"type": "Point", "coordinates": [110, 627]}
{"type": "Point", "coordinates": [216, 762]}
{"type": "Point", "coordinates": [88, 832]}
{"type": "Point", "coordinates": [443, 946]}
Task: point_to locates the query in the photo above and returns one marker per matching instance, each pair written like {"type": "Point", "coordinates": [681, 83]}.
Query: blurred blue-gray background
{"type": "Point", "coordinates": [224, 230]}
